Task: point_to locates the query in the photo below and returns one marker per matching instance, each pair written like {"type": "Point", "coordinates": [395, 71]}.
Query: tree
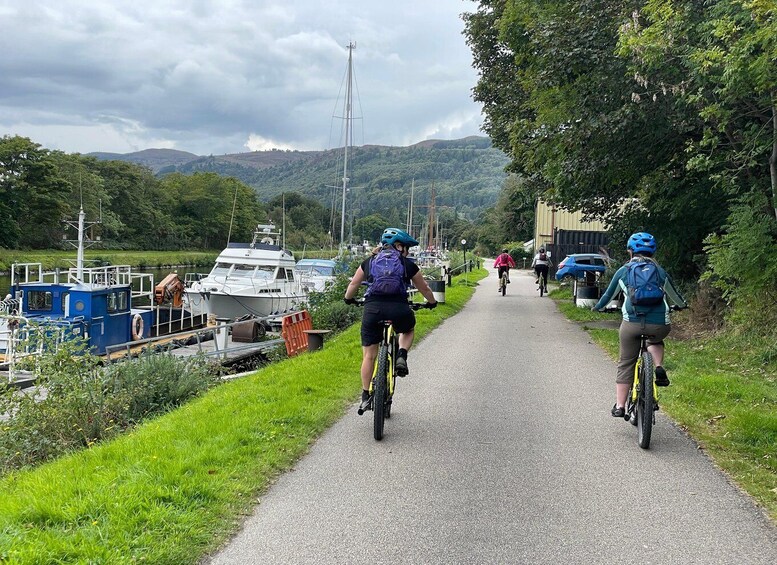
{"type": "Point", "coordinates": [33, 195]}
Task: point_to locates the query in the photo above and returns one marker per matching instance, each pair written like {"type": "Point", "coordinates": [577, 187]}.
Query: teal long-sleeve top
{"type": "Point", "coordinates": [658, 314]}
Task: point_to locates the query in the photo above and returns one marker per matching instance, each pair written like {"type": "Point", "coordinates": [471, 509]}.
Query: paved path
{"type": "Point", "coordinates": [501, 449]}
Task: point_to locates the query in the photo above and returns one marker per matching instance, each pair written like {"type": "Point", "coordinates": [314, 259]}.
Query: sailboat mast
{"type": "Point", "coordinates": [410, 208]}
{"type": "Point", "coordinates": [348, 135]}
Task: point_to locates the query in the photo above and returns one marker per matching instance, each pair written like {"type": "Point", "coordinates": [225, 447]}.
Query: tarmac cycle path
{"type": "Point", "coordinates": [501, 449]}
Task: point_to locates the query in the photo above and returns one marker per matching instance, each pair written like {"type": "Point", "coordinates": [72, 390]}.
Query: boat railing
{"type": "Point", "coordinates": [190, 278]}
{"type": "Point", "coordinates": [21, 338]}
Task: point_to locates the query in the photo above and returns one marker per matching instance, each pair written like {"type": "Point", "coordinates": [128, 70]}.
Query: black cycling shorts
{"type": "Point", "coordinates": [375, 312]}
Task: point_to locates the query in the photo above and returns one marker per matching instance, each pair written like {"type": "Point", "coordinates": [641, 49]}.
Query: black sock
{"type": "Point", "coordinates": [365, 394]}
{"type": "Point", "coordinates": [402, 353]}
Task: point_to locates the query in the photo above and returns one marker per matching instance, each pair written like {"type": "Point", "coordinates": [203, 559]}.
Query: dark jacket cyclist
{"type": "Point", "coordinates": [394, 307]}
{"type": "Point", "coordinates": [638, 320]}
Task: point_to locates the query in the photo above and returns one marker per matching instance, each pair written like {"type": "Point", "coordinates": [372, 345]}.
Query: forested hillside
{"type": "Point", "coordinates": [190, 205]}
{"type": "Point", "coordinates": [467, 175]}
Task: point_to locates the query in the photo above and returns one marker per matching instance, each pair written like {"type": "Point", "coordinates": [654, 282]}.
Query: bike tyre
{"type": "Point", "coordinates": [645, 401]}
{"type": "Point", "coordinates": [380, 393]}
{"type": "Point", "coordinates": [542, 288]}
{"type": "Point", "coordinates": [504, 285]}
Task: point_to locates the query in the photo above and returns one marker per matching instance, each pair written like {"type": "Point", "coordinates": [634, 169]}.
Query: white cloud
{"type": "Point", "coordinates": [212, 76]}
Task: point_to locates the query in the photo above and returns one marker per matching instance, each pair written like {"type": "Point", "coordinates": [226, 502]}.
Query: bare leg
{"type": "Point", "coordinates": [657, 351]}
{"type": "Point", "coordinates": [621, 392]}
{"type": "Point", "coordinates": [369, 353]}
{"type": "Point", "coordinates": [406, 340]}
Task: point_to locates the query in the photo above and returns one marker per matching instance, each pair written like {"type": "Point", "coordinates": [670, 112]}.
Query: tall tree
{"type": "Point", "coordinates": [33, 195]}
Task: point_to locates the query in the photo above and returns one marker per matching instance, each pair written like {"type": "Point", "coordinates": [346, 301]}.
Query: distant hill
{"type": "Point", "coordinates": [467, 173]}
{"type": "Point", "coordinates": [154, 159]}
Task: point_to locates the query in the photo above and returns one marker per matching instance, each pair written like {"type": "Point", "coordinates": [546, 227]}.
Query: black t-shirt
{"type": "Point", "coordinates": [410, 271]}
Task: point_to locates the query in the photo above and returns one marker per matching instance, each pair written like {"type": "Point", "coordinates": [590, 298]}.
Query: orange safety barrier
{"type": "Point", "coordinates": [293, 329]}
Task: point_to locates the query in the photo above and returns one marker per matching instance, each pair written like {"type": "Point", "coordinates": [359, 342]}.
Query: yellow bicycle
{"type": "Point", "coordinates": [384, 375]}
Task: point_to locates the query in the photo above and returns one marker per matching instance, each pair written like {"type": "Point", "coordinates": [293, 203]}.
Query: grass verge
{"type": "Point", "coordinates": [177, 487]}
{"type": "Point", "coordinates": [723, 393]}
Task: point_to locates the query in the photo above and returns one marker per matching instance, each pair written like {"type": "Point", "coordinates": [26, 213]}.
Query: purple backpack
{"type": "Point", "coordinates": [387, 274]}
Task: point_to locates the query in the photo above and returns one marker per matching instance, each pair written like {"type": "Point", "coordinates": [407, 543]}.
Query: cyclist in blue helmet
{"type": "Point", "coordinates": [388, 273]}
{"type": "Point", "coordinates": [640, 318]}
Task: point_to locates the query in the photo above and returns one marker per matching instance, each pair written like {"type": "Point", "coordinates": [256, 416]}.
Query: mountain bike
{"type": "Point", "coordinates": [503, 282]}
{"type": "Point", "coordinates": [384, 374]}
{"type": "Point", "coordinates": [542, 285]}
{"type": "Point", "coordinates": [642, 400]}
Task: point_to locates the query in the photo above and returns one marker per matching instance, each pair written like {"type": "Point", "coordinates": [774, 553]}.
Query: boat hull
{"type": "Point", "coordinates": [232, 306]}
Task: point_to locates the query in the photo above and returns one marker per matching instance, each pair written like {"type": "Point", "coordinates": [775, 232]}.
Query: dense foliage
{"type": "Point", "coordinates": [651, 115]}
{"type": "Point", "coordinates": [85, 403]}
{"type": "Point", "coordinates": [207, 201]}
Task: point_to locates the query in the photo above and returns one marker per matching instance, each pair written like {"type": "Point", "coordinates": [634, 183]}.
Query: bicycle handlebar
{"type": "Point", "coordinates": [673, 308]}
{"type": "Point", "coordinates": [413, 305]}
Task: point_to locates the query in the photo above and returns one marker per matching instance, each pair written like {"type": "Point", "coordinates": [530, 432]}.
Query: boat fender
{"type": "Point", "coordinates": [137, 327]}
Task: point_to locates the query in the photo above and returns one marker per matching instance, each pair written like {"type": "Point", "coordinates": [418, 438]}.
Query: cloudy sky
{"type": "Point", "coordinates": [228, 76]}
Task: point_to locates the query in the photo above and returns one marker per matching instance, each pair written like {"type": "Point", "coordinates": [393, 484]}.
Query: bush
{"type": "Point", "coordinates": [743, 265]}
{"type": "Point", "coordinates": [77, 402]}
{"type": "Point", "coordinates": [327, 309]}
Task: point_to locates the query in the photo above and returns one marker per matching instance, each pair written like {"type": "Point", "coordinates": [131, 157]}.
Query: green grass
{"type": "Point", "coordinates": [724, 394]}
{"type": "Point", "coordinates": [177, 487]}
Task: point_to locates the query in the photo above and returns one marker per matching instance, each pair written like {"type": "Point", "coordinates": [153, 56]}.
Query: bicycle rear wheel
{"type": "Point", "coordinates": [380, 393]}
{"type": "Point", "coordinates": [645, 401]}
{"type": "Point", "coordinates": [504, 284]}
{"type": "Point", "coordinates": [542, 287]}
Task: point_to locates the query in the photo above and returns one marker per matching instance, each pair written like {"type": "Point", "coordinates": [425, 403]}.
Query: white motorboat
{"type": "Point", "coordinates": [318, 274]}
{"type": "Point", "coordinates": [255, 279]}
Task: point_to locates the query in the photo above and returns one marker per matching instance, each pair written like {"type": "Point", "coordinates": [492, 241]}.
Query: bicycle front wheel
{"type": "Point", "coordinates": [645, 401]}
{"type": "Point", "coordinates": [380, 393]}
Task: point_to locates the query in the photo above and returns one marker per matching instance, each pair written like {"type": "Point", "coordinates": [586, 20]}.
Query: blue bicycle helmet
{"type": "Point", "coordinates": [395, 235]}
{"type": "Point", "coordinates": [642, 243]}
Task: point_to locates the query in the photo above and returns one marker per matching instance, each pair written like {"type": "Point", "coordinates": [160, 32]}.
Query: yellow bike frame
{"type": "Point", "coordinates": [388, 336]}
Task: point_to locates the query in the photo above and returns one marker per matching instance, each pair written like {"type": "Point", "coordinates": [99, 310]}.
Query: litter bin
{"type": "Point", "coordinates": [316, 339]}
{"type": "Point", "coordinates": [438, 289]}
{"type": "Point", "coordinates": [587, 296]}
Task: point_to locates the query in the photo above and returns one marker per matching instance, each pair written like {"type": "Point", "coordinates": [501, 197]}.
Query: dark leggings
{"type": "Point", "coordinates": [542, 270]}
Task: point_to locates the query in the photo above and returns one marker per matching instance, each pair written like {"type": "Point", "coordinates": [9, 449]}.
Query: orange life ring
{"type": "Point", "coordinates": [137, 327]}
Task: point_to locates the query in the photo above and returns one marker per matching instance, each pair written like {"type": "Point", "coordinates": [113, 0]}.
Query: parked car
{"type": "Point", "coordinates": [578, 265]}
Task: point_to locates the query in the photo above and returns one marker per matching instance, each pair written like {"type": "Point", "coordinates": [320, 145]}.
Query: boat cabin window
{"type": "Point", "coordinates": [264, 272]}
{"type": "Point", "coordinates": [243, 270]}
{"type": "Point", "coordinates": [221, 269]}
{"type": "Point", "coordinates": [39, 300]}
{"type": "Point", "coordinates": [284, 274]}
{"type": "Point", "coordinates": [117, 301]}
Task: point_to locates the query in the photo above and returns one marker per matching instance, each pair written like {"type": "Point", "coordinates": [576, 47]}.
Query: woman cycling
{"type": "Point", "coordinates": [652, 320]}
{"type": "Point", "coordinates": [541, 263]}
{"type": "Point", "coordinates": [388, 273]}
{"type": "Point", "coordinates": [504, 263]}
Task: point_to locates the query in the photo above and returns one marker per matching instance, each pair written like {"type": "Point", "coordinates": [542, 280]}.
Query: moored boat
{"type": "Point", "coordinates": [250, 279]}
{"type": "Point", "coordinates": [106, 306]}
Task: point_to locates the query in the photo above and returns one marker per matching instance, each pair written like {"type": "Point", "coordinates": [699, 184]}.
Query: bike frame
{"type": "Point", "coordinates": [636, 391]}
{"type": "Point", "coordinates": [390, 341]}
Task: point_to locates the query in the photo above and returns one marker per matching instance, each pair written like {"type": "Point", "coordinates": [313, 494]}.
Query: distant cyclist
{"type": "Point", "coordinates": [541, 263]}
{"type": "Point", "coordinates": [388, 273]}
{"type": "Point", "coordinates": [649, 317]}
{"type": "Point", "coordinates": [504, 262]}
